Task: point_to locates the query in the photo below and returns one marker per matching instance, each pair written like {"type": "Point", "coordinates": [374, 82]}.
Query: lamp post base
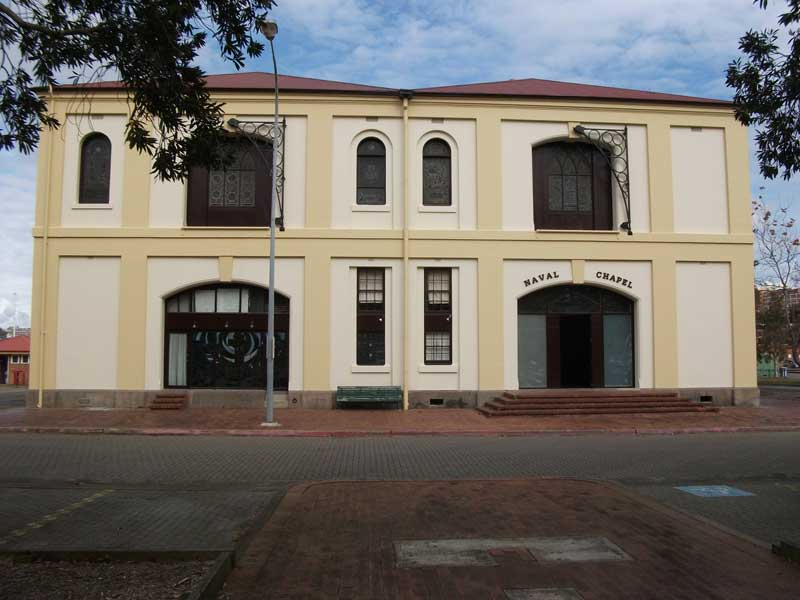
{"type": "Point", "coordinates": [273, 424]}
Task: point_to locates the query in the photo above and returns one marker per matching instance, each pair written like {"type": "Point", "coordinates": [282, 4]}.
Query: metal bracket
{"type": "Point", "coordinates": [264, 131]}
{"type": "Point", "coordinates": [613, 143]}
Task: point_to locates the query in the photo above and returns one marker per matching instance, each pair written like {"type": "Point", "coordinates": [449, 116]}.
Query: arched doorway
{"type": "Point", "coordinates": [575, 336]}
{"type": "Point", "coordinates": [215, 337]}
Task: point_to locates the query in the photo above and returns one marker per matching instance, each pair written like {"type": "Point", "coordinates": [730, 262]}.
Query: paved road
{"type": "Point", "coordinates": [166, 467]}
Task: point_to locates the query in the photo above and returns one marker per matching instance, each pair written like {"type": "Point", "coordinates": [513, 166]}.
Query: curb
{"type": "Point", "coordinates": [299, 433]}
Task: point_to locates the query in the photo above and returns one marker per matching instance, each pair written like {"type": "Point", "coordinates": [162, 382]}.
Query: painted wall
{"type": "Point", "coordinates": [348, 132]}
{"type": "Point", "coordinates": [463, 373]}
{"type": "Point", "coordinates": [75, 129]}
{"type": "Point", "coordinates": [705, 343]}
{"type": "Point", "coordinates": [86, 338]}
{"type": "Point", "coordinates": [344, 370]}
{"type": "Point", "coordinates": [699, 179]}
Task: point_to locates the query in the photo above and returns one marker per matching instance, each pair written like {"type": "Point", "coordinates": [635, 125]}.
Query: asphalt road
{"type": "Point", "coordinates": [161, 485]}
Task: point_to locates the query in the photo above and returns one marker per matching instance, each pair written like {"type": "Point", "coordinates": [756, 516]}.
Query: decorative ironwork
{"type": "Point", "coordinates": [264, 131]}
{"type": "Point", "coordinates": [613, 143]}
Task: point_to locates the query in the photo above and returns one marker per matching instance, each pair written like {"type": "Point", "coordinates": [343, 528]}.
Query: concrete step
{"type": "Point", "coordinates": [169, 401]}
{"type": "Point", "coordinates": [596, 400]}
{"type": "Point", "coordinates": [503, 406]}
{"type": "Point", "coordinates": [692, 408]}
{"type": "Point", "coordinates": [584, 393]}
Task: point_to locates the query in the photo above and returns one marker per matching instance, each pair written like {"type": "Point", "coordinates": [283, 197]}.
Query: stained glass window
{"type": "Point", "coordinates": [234, 185]}
{"type": "Point", "coordinates": [95, 177]}
{"type": "Point", "coordinates": [371, 172]}
{"type": "Point", "coordinates": [570, 179]}
{"type": "Point", "coordinates": [436, 173]}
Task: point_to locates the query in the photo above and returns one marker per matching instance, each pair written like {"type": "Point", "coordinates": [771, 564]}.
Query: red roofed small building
{"type": "Point", "coordinates": [15, 355]}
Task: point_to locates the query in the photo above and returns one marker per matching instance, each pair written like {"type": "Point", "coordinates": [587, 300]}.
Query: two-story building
{"type": "Point", "coordinates": [455, 241]}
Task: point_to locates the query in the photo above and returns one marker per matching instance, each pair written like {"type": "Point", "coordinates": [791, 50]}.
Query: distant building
{"type": "Point", "coordinates": [15, 355]}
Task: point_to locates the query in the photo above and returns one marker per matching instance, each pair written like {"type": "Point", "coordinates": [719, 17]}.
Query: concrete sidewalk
{"type": "Point", "coordinates": [321, 423]}
{"type": "Point", "coordinates": [516, 539]}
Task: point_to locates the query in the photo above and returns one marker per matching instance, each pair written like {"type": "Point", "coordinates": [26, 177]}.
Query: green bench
{"type": "Point", "coordinates": [369, 396]}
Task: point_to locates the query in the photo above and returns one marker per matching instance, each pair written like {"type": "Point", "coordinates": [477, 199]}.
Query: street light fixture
{"type": "Point", "coordinates": [269, 29]}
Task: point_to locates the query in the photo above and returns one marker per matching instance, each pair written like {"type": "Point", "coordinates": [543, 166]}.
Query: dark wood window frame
{"type": "Point", "coordinates": [370, 316]}
{"type": "Point", "coordinates": [371, 172]}
{"type": "Point", "coordinates": [181, 318]}
{"type": "Point", "coordinates": [437, 173]}
{"type": "Point", "coordinates": [438, 313]}
{"type": "Point", "coordinates": [199, 209]}
{"type": "Point", "coordinates": [95, 180]}
{"type": "Point", "coordinates": [596, 178]}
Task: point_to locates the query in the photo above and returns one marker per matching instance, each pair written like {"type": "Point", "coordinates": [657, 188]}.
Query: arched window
{"type": "Point", "coordinates": [437, 182]}
{"type": "Point", "coordinates": [237, 193]}
{"type": "Point", "coordinates": [371, 172]}
{"type": "Point", "coordinates": [571, 187]}
{"type": "Point", "coordinates": [95, 177]}
{"type": "Point", "coordinates": [215, 337]}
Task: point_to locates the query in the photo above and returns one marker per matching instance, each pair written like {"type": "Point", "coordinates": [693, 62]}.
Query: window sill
{"type": "Point", "coordinates": [423, 368]}
{"type": "Point", "coordinates": [436, 209]}
{"type": "Point", "coordinates": [92, 207]}
{"type": "Point", "coordinates": [371, 369]}
{"type": "Point", "coordinates": [371, 207]}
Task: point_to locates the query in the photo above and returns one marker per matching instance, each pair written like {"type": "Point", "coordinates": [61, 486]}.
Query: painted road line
{"type": "Point", "coordinates": [713, 491]}
{"type": "Point", "coordinates": [53, 516]}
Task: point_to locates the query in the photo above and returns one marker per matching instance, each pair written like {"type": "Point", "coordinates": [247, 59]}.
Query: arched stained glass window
{"type": "Point", "coordinates": [95, 175]}
{"type": "Point", "coordinates": [436, 173]}
{"type": "Point", "coordinates": [371, 172]}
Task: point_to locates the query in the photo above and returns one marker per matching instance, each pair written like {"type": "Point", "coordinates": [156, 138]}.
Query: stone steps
{"type": "Point", "coordinates": [589, 402]}
{"type": "Point", "coordinates": [169, 401]}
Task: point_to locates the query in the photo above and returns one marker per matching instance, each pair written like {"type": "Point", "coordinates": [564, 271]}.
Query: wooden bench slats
{"type": "Point", "coordinates": [369, 394]}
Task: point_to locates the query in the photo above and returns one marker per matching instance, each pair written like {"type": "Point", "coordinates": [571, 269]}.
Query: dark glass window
{"type": "Point", "coordinates": [436, 173]}
{"type": "Point", "coordinates": [236, 193]}
{"type": "Point", "coordinates": [95, 177]}
{"type": "Point", "coordinates": [438, 317]}
{"type": "Point", "coordinates": [370, 317]}
{"type": "Point", "coordinates": [215, 337]}
{"type": "Point", "coordinates": [571, 187]}
{"type": "Point", "coordinates": [371, 172]}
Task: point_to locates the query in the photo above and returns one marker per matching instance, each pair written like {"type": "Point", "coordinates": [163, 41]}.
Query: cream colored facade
{"type": "Point", "coordinates": [101, 274]}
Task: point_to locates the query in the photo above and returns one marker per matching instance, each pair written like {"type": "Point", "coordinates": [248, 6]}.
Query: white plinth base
{"type": "Point", "coordinates": [273, 424]}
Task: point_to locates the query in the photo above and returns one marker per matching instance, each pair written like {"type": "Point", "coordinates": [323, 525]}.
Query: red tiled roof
{"type": "Point", "coordinates": [512, 88]}
{"type": "Point", "coordinates": [21, 343]}
{"type": "Point", "coordinates": [263, 81]}
{"type": "Point", "coordinates": [544, 88]}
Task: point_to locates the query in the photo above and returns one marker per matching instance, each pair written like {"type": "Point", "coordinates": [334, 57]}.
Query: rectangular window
{"type": "Point", "coordinates": [438, 317]}
{"type": "Point", "coordinates": [176, 360]}
{"type": "Point", "coordinates": [370, 317]}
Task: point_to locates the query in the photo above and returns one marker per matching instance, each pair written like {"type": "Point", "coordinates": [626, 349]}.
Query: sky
{"type": "Point", "coordinates": [676, 46]}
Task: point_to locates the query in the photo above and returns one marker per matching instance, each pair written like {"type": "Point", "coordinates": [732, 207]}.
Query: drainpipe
{"type": "Point", "coordinates": [43, 287]}
{"type": "Point", "coordinates": [406, 95]}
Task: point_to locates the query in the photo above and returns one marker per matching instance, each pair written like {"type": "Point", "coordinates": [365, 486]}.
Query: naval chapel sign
{"type": "Point", "coordinates": [600, 276]}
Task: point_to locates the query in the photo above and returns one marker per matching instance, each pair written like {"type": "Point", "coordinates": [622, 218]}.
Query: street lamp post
{"type": "Point", "coordinates": [270, 29]}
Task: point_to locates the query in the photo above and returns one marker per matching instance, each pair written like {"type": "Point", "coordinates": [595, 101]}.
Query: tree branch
{"type": "Point", "coordinates": [23, 24]}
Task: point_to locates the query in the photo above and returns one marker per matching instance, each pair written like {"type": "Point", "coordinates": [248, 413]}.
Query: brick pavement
{"type": "Point", "coordinates": [387, 422]}
{"type": "Point", "coordinates": [337, 540]}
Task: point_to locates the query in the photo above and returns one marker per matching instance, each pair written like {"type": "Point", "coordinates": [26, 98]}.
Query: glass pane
{"type": "Point", "coordinates": [95, 170]}
{"type": "Point", "coordinates": [532, 351]}
{"type": "Point", "coordinates": [618, 350]}
{"type": "Point", "coordinates": [555, 199]}
{"type": "Point", "coordinates": [576, 301]}
{"type": "Point", "coordinates": [371, 196]}
{"type": "Point", "coordinates": [176, 369]}
{"type": "Point", "coordinates": [614, 303]}
{"type": "Point", "coordinates": [257, 300]}
{"type": "Point", "coordinates": [584, 194]}
{"type": "Point", "coordinates": [436, 148]}
{"type": "Point", "coordinates": [204, 301]}
{"type": "Point", "coordinates": [371, 171]}
{"type": "Point", "coordinates": [437, 347]}
{"type": "Point", "coordinates": [172, 305]}
{"type": "Point", "coordinates": [185, 302]}
{"type": "Point", "coordinates": [370, 286]}
{"type": "Point", "coordinates": [570, 193]}
{"type": "Point", "coordinates": [370, 348]}
{"type": "Point", "coordinates": [438, 285]}
{"type": "Point", "coordinates": [228, 300]}
{"type": "Point", "coordinates": [436, 181]}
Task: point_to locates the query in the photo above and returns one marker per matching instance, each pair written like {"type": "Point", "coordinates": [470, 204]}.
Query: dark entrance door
{"type": "Point", "coordinates": [576, 350]}
{"type": "Point", "coordinates": [575, 336]}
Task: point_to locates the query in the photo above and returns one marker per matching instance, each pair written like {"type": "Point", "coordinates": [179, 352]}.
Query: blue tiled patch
{"type": "Point", "coordinates": [713, 491]}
